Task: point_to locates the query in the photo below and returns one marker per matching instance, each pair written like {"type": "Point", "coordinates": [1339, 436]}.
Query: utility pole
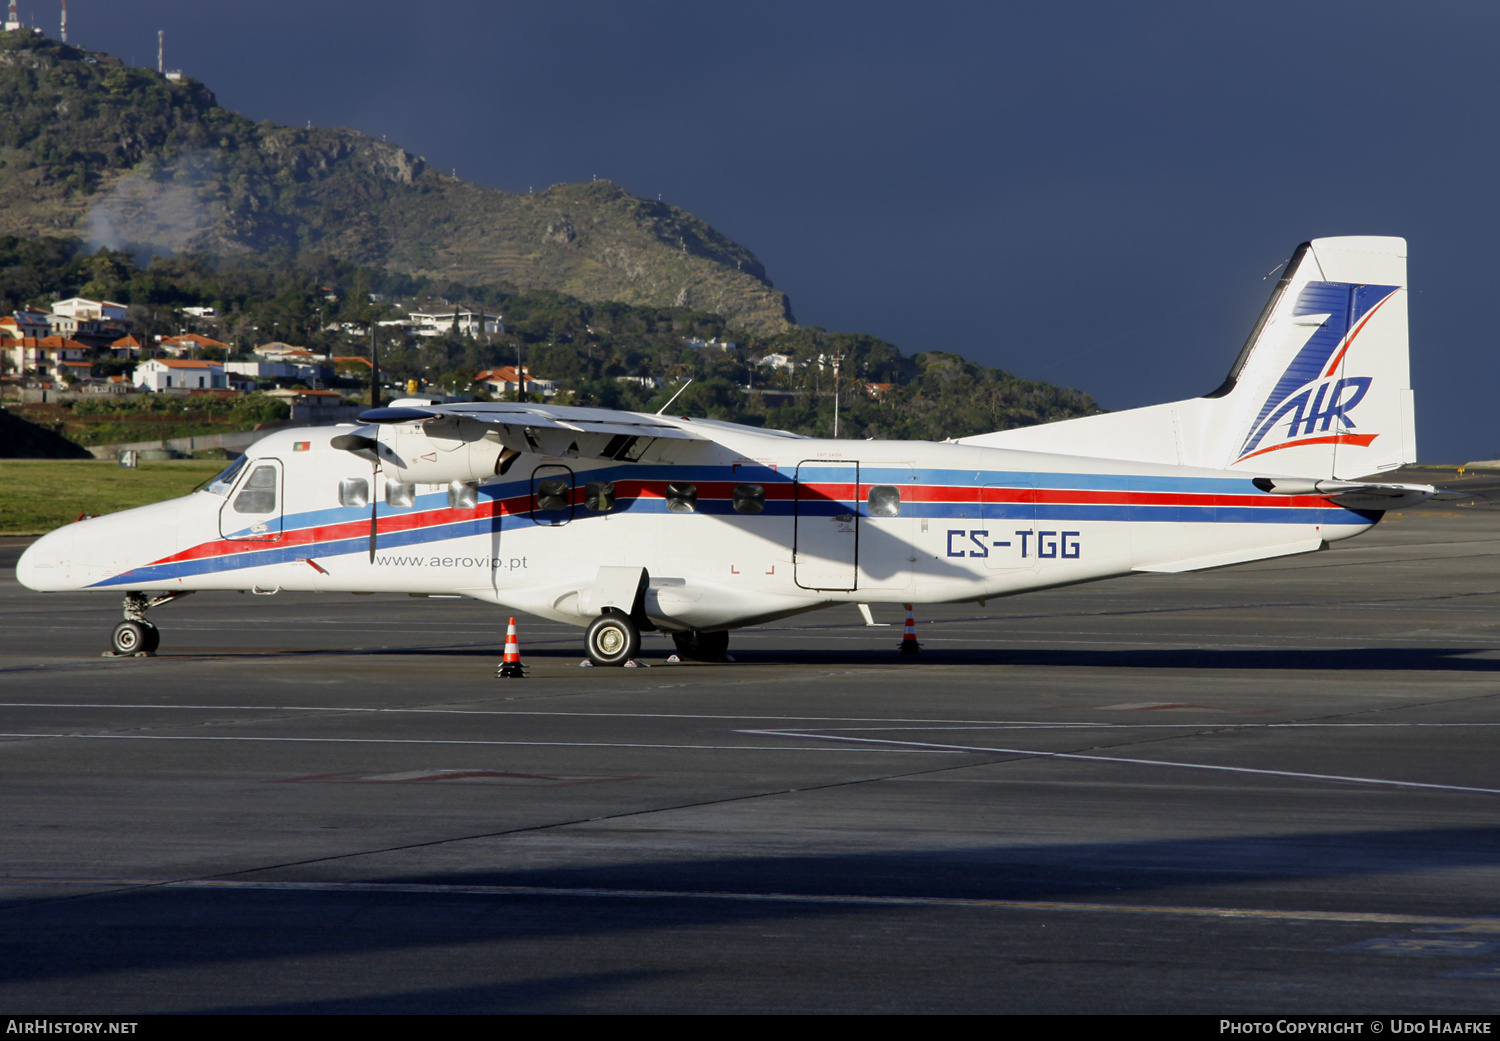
{"type": "Point", "coordinates": [374, 368]}
{"type": "Point", "coordinates": [837, 359]}
{"type": "Point", "coordinates": [520, 372]}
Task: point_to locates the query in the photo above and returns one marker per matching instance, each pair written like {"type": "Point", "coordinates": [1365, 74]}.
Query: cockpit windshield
{"type": "Point", "coordinates": [221, 484]}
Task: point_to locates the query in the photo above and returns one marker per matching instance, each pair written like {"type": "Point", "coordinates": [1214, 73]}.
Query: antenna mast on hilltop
{"type": "Point", "coordinates": [64, 21]}
{"type": "Point", "coordinates": [160, 65]}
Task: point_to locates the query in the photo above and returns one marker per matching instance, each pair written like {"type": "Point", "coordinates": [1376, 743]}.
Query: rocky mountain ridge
{"type": "Point", "coordinates": [120, 156]}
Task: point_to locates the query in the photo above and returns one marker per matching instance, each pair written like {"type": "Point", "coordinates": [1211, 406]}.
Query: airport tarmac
{"type": "Point", "coordinates": [1270, 788]}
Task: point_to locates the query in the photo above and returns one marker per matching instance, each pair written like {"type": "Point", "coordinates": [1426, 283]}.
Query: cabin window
{"type": "Point", "coordinates": [259, 493]}
{"type": "Point", "coordinates": [682, 497]}
{"type": "Point", "coordinates": [463, 495]}
{"type": "Point", "coordinates": [885, 501]}
{"type": "Point", "coordinates": [599, 496]}
{"type": "Point", "coordinates": [400, 495]}
{"type": "Point", "coordinates": [552, 495]}
{"type": "Point", "coordinates": [354, 491]}
{"type": "Point", "coordinates": [221, 484]}
{"type": "Point", "coordinates": [749, 498]}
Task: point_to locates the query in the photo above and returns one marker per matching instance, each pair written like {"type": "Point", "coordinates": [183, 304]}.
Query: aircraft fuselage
{"type": "Point", "coordinates": [745, 528]}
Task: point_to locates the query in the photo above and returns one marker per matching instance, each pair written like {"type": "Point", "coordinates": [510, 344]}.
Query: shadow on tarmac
{"type": "Point", "coordinates": [157, 929]}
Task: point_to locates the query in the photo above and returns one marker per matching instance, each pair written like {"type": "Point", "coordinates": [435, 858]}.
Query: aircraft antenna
{"type": "Point", "coordinates": [674, 397]}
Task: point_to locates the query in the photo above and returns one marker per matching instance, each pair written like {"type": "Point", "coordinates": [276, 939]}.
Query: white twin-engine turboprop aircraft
{"type": "Point", "coordinates": [623, 522]}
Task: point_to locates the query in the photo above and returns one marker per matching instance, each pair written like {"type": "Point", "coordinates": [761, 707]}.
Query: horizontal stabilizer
{"type": "Point", "coordinates": [1356, 495]}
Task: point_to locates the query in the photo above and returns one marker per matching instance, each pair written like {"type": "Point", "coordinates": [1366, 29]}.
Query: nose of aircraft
{"type": "Point", "coordinates": [46, 566]}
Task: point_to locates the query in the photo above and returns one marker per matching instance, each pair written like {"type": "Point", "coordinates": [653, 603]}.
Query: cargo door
{"type": "Point", "coordinates": [886, 551]}
{"type": "Point", "coordinates": [826, 549]}
{"type": "Point", "coordinates": [1007, 538]}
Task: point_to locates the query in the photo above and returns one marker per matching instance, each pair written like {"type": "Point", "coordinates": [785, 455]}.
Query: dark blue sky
{"type": "Point", "coordinates": [1085, 193]}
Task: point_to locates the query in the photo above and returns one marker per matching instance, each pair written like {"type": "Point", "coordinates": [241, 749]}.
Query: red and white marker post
{"type": "Point", "coordinates": [909, 644]}
{"type": "Point", "coordinates": [510, 666]}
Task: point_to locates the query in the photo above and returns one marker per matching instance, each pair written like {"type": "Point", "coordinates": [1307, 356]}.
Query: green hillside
{"type": "Point", "coordinates": [308, 235]}
{"type": "Point", "coordinates": [593, 352]}
{"type": "Point", "coordinates": [120, 156]}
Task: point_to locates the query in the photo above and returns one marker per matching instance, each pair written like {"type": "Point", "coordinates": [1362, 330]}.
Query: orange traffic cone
{"type": "Point", "coordinates": [909, 644]}
{"type": "Point", "coordinates": [510, 666]}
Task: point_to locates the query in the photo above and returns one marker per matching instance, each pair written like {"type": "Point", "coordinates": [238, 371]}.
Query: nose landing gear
{"type": "Point", "coordinates": [135, 637]}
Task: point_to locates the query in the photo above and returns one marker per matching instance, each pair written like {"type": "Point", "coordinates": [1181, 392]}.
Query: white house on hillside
{"type": "Point", "coordinates": [507, 381]}
{"type": "Point", "coordinates": [180, 374]}
{"type": "Point", "coordinates": [81, 307]}
{"type": "Point", "coordinates": [440, 323]}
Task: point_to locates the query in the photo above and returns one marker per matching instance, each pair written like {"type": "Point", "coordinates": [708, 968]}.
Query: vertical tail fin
{"type": "Point", "coordinates": [1323, 385]}
{"type": "Point", "coordinates": [1321, 388]}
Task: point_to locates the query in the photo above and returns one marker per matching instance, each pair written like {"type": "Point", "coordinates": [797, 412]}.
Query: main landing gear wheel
{"type": "Point", "coordinates": [135, 638]}
{"type": "Point", "coordinates": [696, 646]}
{"type": "Point", "coordinates": [612, 639]}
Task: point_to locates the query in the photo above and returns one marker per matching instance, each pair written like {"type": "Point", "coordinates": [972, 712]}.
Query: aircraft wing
{"type": "Point", "coordinates": [590, 433]}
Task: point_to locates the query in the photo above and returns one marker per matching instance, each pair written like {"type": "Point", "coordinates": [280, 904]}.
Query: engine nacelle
{"type": "Point", "coordinates": [439, 451]}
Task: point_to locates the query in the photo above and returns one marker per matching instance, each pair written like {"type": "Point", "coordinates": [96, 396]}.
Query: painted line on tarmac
{"type": "Point", "coordinates": [924, 724]}
{"type": "Point", "coordinates": [1205, 725]}
{"type": "Point", "coordinates": [543, 744]}
{"type": "Point", "coordinates": [1037, 753]}
{"type": "Point", "coordinates": [599, 892]}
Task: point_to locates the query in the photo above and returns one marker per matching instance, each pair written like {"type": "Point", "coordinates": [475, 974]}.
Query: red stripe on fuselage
{"type": "Point", "coordinates": [516, 505]}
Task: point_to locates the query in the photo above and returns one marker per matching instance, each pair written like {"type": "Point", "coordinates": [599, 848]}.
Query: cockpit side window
{"type": "Point", "coordinates": [224, 481]}
{"type": "Point", "coordinates": [259, 493]}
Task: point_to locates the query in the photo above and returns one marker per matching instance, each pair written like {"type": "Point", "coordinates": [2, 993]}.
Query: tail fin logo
{"type": "Point", "coordinates": [1311, 402]}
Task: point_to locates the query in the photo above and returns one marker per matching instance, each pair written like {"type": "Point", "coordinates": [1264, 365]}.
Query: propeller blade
{"type": "Point", "coordinates": [374, 483]}
{"type": "Point", "coordinates": [365, 448]}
